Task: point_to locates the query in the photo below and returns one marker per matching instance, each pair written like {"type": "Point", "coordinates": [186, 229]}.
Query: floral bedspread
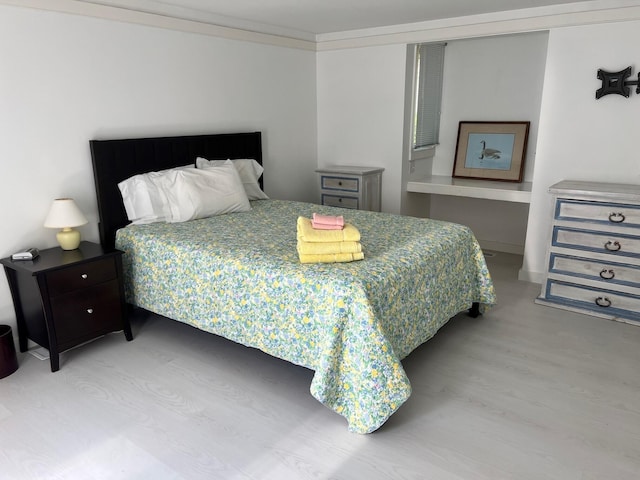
{"type": "Point", "coordinates": [239, 276]}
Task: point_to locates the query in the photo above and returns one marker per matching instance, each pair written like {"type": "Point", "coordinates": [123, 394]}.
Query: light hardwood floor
{"type": "Point", "coordinates": [523, 392]}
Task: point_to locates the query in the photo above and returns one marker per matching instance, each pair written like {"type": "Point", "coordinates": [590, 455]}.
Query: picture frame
{"type": "Point", "coordinates": [491, 150]}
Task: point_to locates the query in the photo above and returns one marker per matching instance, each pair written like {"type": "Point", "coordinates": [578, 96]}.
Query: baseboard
{"type": "Point", "coordinates": [529, 276]}
{"type": "Point", "coordinates": [523, 275]}
{"type": "Point", "coordinates": [502, 247]}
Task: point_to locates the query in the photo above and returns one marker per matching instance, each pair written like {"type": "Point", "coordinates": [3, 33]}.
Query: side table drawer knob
{"type": "Point", "coordinates": [603, 302]}
{"type": "Point", "coordinates": [612, 246]}
{"type": "Point", "coordinates": [85, 276]}
{"type": "Point", "coordinates": [89, 310]}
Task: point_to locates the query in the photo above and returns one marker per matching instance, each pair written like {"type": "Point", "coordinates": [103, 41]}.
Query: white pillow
{"type": "Point", "coordinates": [143, 197]}
{"type": "Point", "coordinates": [193, 193]}
{"type": "Point", "coordinates": [248, 169]}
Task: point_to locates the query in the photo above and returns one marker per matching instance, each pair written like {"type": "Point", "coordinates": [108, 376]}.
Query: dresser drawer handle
{"type": "Point", "coordinates": [607, 274]}
{"type": "Point", "coordinates": [89, 310]}
{"type": "Point", "coordinates": [616, 217]}
{"type": "Point", "coordinates": [85, 276]}
{"type": "Point", "coordinates": [603, 302]}
{"type": "Point", "coordinates": [612, 246]}
{"type": "Point", "coordinates": [340, 183]}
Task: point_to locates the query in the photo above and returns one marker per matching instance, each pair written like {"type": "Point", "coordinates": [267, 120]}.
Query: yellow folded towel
{"type": "Point", "coordinates": [331, 257]}
{"type": "Point", "coordinates": [319, 248]}
{"type": "Point", "coordinates": [307, 233]}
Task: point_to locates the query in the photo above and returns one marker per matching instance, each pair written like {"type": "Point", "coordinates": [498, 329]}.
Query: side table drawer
{"type": "Point", "coordinates": [607, 272]}
{"type": "Point", "coordinates": [87, 313]}
{"type": "Point", "coordinates": [339, 183]}
{"type": "Point", "coordinates": [336, 201]}
{"type": "Point", "coordinates": [81, 276]}
{"type": "Point", "coordinates": [599, 301]}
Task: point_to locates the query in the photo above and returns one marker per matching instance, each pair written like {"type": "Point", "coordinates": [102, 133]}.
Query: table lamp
{"type": "Point", "coordinates": [65, 214]}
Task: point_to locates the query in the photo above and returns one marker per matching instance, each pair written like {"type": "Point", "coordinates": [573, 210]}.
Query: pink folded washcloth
{"type": "Point", "coordinates": [324, 226]}
{"type": "Point", "coordinates": [327, 222]}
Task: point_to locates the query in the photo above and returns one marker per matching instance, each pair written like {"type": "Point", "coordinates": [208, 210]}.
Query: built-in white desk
{"type": "Point", "coordinates": [465, 187]}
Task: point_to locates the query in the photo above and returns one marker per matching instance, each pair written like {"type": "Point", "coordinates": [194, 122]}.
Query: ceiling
{"type": "Point", "coordinates": [307, 18]}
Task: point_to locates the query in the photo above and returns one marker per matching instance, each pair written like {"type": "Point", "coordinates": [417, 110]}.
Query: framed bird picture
{"type": "Point", "coordinates": [491, 150]}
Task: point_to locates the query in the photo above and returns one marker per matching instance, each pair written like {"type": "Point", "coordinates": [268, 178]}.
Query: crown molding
{"type": "Point", "coordinates": [500, 23]}
{"type": "Point", "coordinates": [118, 14]}
{"type": "Point", "coordinates": [526, 20]}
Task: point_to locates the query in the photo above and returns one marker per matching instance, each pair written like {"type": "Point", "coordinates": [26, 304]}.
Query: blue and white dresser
{"type": "Point", "coordinates": [593, 261]}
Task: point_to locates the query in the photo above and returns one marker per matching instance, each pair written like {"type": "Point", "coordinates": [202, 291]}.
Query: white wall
{"type": "Point", "coordinates": [491, 79]}
{"type": "Point", "coordinates": [360, 112]}
{"type": "Point", "coordinates": [573, 135]}
{"type": "Point", "coordinates": [66, 79]}
{"type": "Point", "coordinates": [581, 138]}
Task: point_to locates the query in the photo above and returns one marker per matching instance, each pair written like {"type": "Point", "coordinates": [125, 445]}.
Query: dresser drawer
{"type": "Point", "coordinates": [336, 201]}
{"type": "Point", "coordinates": [339, 183]}
{"type": "Point", "coordinates": [604, 213]}
{"type": "Point", "coordinates": [81, 276]}
{"type": "Point", "coordinates": [87, 313]}
{"type": "Point", "coordinates": [594, 241]}
{"type": "Point", "coordinates": [599, 301]}
{"type": "Point", "coordinates": [607, 272]}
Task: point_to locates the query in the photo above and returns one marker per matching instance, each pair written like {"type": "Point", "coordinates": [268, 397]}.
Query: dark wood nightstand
{"type": "Point", "coordinates": [65, 298]}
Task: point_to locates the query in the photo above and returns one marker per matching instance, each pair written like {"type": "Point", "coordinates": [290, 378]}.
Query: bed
{"type": "Point", "coordinates": [238, 275]}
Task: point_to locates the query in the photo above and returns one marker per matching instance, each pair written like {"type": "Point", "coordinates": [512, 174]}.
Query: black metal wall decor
{"type": "Point", "coordinates": [616, 82]}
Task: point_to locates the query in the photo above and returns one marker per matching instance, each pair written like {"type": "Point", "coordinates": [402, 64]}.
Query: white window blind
{"type": "Point", "coordinates": [429, 73]}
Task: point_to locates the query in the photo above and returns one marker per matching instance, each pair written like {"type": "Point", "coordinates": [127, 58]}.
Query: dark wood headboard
{"type": "Point", "coordinates": [116, 160]}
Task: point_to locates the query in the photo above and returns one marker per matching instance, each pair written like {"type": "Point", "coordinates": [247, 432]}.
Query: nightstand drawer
{"type": "Point", "coordinates": [336, 201]}
{"type": "Point", "coordinates": [339, 183]}
{"type": "Point", "coordinates": [87, 313]}
{"type": "Point", "coordinates": [81, 276]}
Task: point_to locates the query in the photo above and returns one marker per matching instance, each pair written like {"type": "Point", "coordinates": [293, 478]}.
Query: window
{"type": "Point", "coordinates": [428, 73]}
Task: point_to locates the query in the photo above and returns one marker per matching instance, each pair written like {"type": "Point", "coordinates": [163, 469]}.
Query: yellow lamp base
{"type": "Point", "coordinates": [68, 238]}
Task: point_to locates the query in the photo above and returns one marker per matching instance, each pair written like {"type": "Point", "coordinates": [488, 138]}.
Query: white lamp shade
{"type": "Point", "coordinates": [64, 213]}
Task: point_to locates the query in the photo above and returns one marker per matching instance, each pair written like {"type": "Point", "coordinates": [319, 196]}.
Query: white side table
{"type": "Point", "coordinates": [353, 187]}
